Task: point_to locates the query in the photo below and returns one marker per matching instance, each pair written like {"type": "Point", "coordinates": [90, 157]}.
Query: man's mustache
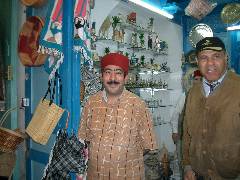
{"type": "Point", "coordinates": [112, 82]}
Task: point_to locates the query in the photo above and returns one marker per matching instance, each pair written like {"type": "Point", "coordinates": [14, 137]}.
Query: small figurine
{"type": "Point", "coordinates": [116, 28]}
{"type": "Point", "coordinates": [103, 31]}
{"type": "Point", "coordinates": [163, 45]}
{"type": "Point", "coordinates": [95, 56]}
{"type": "Point", "coordinates": [80, 23]}
{"type": "Point", "coordinates": [165, 85]}
{"type": "Point", "coordinates": [142, 41]}
{"type": "Point", "coordinates": [132, 17]}
{"type": "Point", "coordinates": [150, 24]}
{"type": "Point", "coordinates": [133, 60]}
{"type": "Point", "coordinates": [157, 44]}
{"type": "Point", "coordinates": [56, 31]}
{"type": "Point", "coordinates": [150, 41]}
{"type": "Point", "coordinates": [142, 58]}
{"type": "Point", "coordinates": [134, 40]}
{"type": "Point", "coordinates": [164, 67]}
{"type": "Point", "coordinates": [107, 50]}
{"type": "Point", "coordinates": [121, 35]}
{"type": "Point", "coordinates": [160, 84]}
{"type": "Point", "coordinates": [93, 29]}
{"type": "Point", "coordinates": [115, 21]}
{"type": "Point", "coordinates": [93, 36]}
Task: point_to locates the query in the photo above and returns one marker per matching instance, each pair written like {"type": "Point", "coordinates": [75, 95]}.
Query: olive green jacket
{"type": "Point", "coordinates": [211, 129]}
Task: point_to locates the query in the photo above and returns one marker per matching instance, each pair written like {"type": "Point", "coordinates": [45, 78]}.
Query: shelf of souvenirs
{"type": "Point", "coordinates": [153, 72]}
{"type": "Point", "coordinates": [148, 68]}
{"type": "Point", "coordinates": [135, 48]}
{"type": "Point", "coordinates": [108, 41]}
{"type": "Point", "coordinates": [138, 90]}
{"type": "Point", "coordinates": [154, 51]}
{"type": "Point", "coordinates": [155, 103]}
{"type": "Point", "coordinates": [157, 121]}
{"type": "Point", "coordinates": [147, 88]}
{"type": "Point", "coordinates": [136, 28]}
{"type": "Point", "coordinates": [160, 123]}
{"type": "Point", "coordinates": [147, 85]}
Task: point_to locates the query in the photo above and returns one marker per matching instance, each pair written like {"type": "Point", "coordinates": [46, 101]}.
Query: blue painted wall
{"type": "Point", "coordinates": [230, 38]}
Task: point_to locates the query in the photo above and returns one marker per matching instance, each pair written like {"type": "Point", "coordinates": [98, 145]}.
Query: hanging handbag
{"type": "Point", "coordinates": [46, 115]}
{"type": "Point", "coordinates": [69, 155]}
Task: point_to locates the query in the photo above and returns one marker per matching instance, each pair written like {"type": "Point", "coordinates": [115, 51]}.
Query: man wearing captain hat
{"type": "Point", "coordinates": [211, 128]}
{"type": "Point", "coordinates": [117, 124]}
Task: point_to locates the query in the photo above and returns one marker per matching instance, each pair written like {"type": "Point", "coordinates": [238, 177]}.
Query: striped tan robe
{"type": "Point", "coordinates": [118, 134]}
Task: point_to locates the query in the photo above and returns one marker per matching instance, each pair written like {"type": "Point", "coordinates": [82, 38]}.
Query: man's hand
{"type": "Point", "coordinates": [189, 175]}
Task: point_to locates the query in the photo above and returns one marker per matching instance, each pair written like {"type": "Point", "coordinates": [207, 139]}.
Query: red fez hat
{"type": "Point", "coordinates": [117, 60]}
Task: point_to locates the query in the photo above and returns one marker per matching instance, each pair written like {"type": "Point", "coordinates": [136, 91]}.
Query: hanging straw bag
{"type": "Point", "coordinates": [69, 155]}
{"type": "Point", "coordinates": [9, 139]}
{"type": "Point", "coordinates": [46, 116]}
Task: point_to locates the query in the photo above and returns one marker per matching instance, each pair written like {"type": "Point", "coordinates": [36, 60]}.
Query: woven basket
{"type": "Point", "coordinates": [43, 122]}
{"type": "Point", "coordinates": [9, 139]}
{"type": "Point", "coordinates": [7, 164]}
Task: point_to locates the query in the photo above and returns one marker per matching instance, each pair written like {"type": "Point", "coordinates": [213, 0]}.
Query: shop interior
{"type": "Point", "coordinates": [159, 38]}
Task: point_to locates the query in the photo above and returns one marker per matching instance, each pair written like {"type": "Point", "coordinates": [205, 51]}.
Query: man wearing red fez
{"type": "Point", "coordinates": [118, 126]}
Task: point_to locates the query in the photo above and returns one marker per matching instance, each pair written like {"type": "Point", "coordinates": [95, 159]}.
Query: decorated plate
{"type": "Point", "coordinates": [199, 32]}
{"type": "Point", "coordinates": [230, 14]}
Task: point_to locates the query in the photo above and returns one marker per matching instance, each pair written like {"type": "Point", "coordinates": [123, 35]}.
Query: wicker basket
{"type": "Point", "coordinates": [9, 139]}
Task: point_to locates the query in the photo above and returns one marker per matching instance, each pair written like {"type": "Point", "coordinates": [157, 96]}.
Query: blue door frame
{"type": "Point", "coordinates": [70, 75]}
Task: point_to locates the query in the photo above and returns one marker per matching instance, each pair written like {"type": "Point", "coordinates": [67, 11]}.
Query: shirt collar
{"type": "Point", "coordinates": [104, 95]}
{"type": "Point", "coordinates": [207, 88]}
{"type": "Point", "coordinates": [218, 81]}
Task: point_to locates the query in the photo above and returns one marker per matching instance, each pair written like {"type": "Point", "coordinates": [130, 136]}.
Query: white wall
{"type": "Point", "coordinates": [101, 10]}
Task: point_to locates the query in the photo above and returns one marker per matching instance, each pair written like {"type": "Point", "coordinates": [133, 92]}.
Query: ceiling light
{"type": "Point", "coordinates": [152, 8]}
{"type": "Point", "coordinates": [232, 28]}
